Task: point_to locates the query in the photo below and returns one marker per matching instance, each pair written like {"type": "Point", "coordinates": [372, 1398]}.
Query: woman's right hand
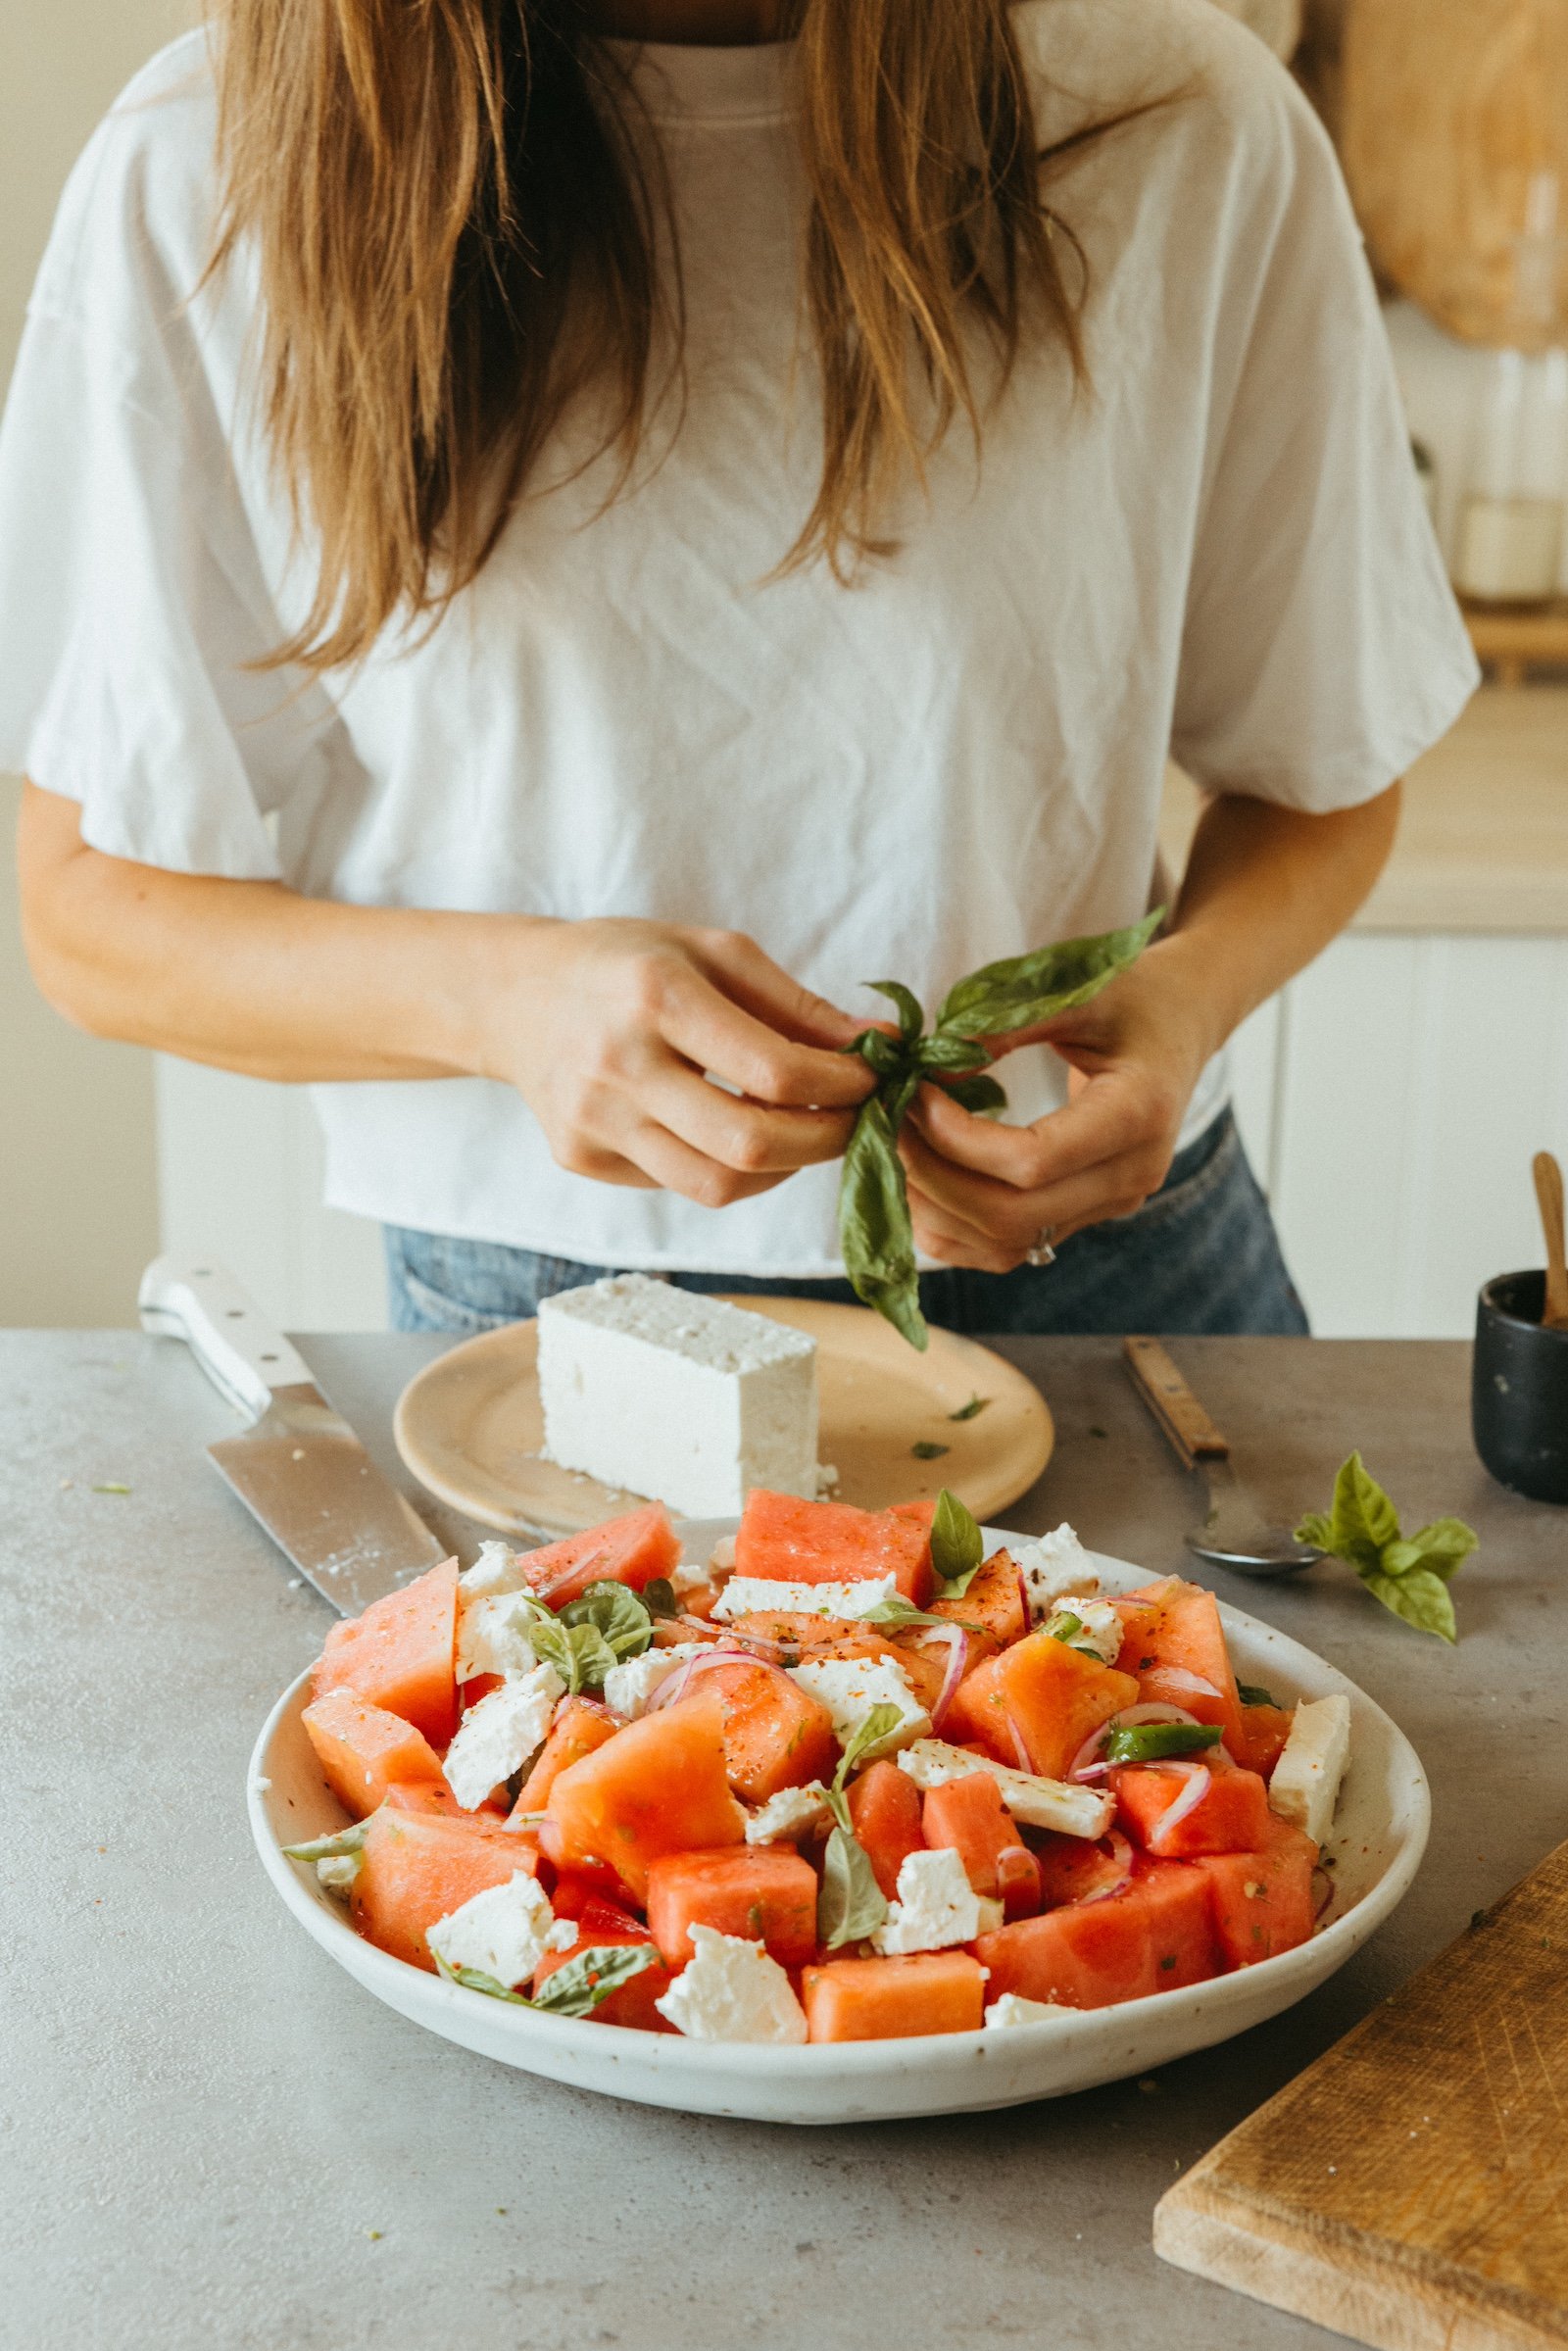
{"type": "Point", "coordinates": [608, 1028]}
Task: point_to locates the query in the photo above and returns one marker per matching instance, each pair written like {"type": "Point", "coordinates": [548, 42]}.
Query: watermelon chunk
{"type": "Point", "coordinates": [1049, 1696]}
{"type": "Point", "coordinates": [1230, 1817]}
{"type": "Point", "coordinates": [632, 1550]}
{"type": "Point", "coordinates": [885, 1815]}
{"type": "Point", "coordinates": [659, 1786]}
{"type": "Point", "coordinates": [402, 1654]}
{"type": "Point", "coordinates": [1262, 1901]}
{"type": "Point", "coordinates": [364, 1750]}
{"type": "Point", "coordinates": [762, 1893]}
{"type": "Point", "coordinates": [883, 1999]}
{"type": "Point", "coordinates": [1176, 1624]}
{"type": "Point", "coordinates": [792, 1542]}
{"type": "Point", "coordinates": [422, 1858]}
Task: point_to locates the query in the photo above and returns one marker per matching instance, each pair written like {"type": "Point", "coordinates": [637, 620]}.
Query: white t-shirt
{"type": "Point", "coordinates": [1220, 551]}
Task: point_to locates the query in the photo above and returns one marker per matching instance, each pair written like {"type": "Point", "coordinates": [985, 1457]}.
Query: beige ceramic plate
{"type": "Point", "coordinates": [469, 1426]}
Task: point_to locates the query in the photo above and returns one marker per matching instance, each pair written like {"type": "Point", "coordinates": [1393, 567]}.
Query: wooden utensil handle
{"type": "Point", "coordinates": [1181, 1416]}
{"type": "Point", "coordinates": [1549, 1199]}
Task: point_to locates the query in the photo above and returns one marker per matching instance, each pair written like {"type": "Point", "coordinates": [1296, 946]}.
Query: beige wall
{"type": "Point", "coordinates": [78, 1208]}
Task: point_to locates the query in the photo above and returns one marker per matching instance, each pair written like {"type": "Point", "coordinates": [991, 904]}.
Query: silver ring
{"type": "Point", "coordinates": [1042, 1254]}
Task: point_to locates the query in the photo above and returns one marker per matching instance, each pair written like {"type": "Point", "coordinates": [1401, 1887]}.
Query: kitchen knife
{"type": "Point", "coordinates": [298, 1466]}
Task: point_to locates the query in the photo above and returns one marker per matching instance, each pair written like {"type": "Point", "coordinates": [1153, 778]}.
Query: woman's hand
{"type": "Point", "coordinates": [982, 1194]}
{"type": "Point", "coordinates": [606, 1029]}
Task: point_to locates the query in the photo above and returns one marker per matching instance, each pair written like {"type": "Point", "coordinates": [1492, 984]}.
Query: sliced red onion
{"type": "Point", "coordinates": [1121, 1853]}
{"type": "Point", "coordinates": [1177, 1678]}
{"type": "Point", "coordinates": [1198, 1780]}
{"type": "Point", "coordinates": [1084, 1764]}
{"type": "Point", "coordinates": [568, 1575]}
{"type": "Point", "coordinates": [957, 1651]}
{"type": "Point", "coordinates": [1026, 1762]}
{"type": "Point", "coordinates": [1024, 1600]}
{"type": "Point", "coordinates": [674, 1685]}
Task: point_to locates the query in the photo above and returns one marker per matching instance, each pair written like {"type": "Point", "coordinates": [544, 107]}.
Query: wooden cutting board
{"type": "Point", "coordinates": [1410, 2189]}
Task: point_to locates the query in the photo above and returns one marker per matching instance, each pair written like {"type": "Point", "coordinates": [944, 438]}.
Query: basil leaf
{"type": "Point", "coordinates": [551, 1643]}
{"type": "Point", "coordinates": [327, 1849]}
{"type": "Point", "coordinates": [897, 1610]}
{"type": "Point", "coordinates": [874, 1230]}
{"type": "Point", "coordinates": [626, 1624]}
{"type": "Point", "coordinates": [968, 1411]}
{"type": "Point", "coordinates": [957, 1545]}
{"type": "Point", "coordinates": [579, 1985]}
{"type": "Point", "coordinates": [880, 1052]}
{"type": "Point", "coordinates": [925, 1450]}
{"type": "Point", "coordinates": [474, 1979]}
{"type": "Point", "coordinates": [580, 1653]}
{"type": "Point", "coordinates": [852, 1905]}
{"type": "Point", "coordinates": [980, 1096]}
{"type": "Point", "coordinates": [1147, 1742]}
{"type": "Point", "coordinates": [1361, 1515]}
{"type": "Point", "coordinates": [1252, 1694]}
{"type": "Point", "coordinates": [659, 1597]}
{"type": "Point", "coordinates": [1022, 991]}
{"type": "Point", "coordinates": [910, 1010]}
{"type": "Point", "coordinates": [943, 1051]}
{"type": "Point", "coordinates": [1419, 1597]}
{"type": "Point", "coordinates": [881, 1722]}
{"type": "Point", "coordinates": [1444, 1546]}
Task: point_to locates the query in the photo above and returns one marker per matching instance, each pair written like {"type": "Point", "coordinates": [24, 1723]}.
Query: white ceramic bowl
{"type": "Point", "coordinates": [1380, 1833]}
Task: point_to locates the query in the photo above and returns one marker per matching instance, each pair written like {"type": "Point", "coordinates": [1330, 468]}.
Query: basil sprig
{"type": "Point", "coordinates": [582, 1640]}
{"type": "Point", "coordinates": [852, 1905]}
{"type": "Point", "coordinates": [573, 1988]}
{"type": "Point", "coordinates": [958, 1546]}
{"type": "Point", "coordinates": [1408, 1575]}
{"type": "Point", "coordinates": [333, 1847]}
{"type": "Point", "coordinates": [875, 1234]}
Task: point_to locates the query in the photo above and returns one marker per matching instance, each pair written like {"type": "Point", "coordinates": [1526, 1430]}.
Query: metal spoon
{"type": "Point", "coordinates": [1233, 1534]}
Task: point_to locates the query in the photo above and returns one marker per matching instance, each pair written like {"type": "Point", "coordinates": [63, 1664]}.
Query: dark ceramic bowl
{"type": "Point", "coordinates": [1519, 1389]}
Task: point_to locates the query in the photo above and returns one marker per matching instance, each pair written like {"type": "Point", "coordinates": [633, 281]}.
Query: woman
{"type": "Point", "coordinates": [545, 542]}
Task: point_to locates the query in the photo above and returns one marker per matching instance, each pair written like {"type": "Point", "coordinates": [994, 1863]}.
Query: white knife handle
{"type": "Point", "coordinates": [199, 1300]}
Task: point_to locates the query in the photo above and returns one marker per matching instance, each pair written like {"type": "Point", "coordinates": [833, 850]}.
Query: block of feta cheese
{"type": "Point", "coordinates": [1306, 1785]}
{"type": "Point", "coordinates": [788, 1813]}
{"type": "Point", "coordinates": [493, 1633]}
{"type": "Point", "coordinates": [502, 1932]}
{"type": "Point", "coordinates": [496, 1738]}
{"type": "Point", "coordinates": [732, 1989]}
{"type": "Point", "coordinates": [851, 1686]}
{"type": "Point", "coordinates": [678, 1397]}
{"type": "Point", "coordinates": [1052, 1567]}
{"type": "Point", "coordinates": [936, 1906]}
{"type": "Point", "coordinates": [756, 1595]}
{"type": "Point", "coordinates": [1036, 1803]}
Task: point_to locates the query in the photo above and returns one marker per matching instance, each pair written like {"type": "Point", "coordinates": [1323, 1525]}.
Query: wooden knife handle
{"type": "Point", "coordinates": [1192, 1433]}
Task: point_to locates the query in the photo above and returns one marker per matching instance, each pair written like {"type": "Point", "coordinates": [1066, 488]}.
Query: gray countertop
{"type": "Point", "coordinates": [217, 2139]}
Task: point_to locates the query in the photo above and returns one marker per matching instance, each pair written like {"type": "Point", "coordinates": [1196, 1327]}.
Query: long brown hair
{"type": "Point", "coordinates": [456, 235]}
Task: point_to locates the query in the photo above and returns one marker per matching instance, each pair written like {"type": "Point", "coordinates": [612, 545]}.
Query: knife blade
{"type": "Point", "coordinates": [298, 1466]}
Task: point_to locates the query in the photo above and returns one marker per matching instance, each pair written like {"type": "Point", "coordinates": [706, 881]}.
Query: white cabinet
{"type": "Point", "coordinates": [1390, 1100]}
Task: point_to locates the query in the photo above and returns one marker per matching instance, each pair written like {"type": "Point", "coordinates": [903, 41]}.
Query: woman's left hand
{"type": "Point", "coordinates": [982, 1194]}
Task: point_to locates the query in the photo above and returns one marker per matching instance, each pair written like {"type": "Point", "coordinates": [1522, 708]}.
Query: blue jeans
{"type": "Point", "coordinates": [1200, 1257]}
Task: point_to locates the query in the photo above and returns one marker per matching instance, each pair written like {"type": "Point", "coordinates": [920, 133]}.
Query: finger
{"type": "Point", "coordinates": [953, 1242]}
{"type": "Point", "coordinates": [579, 1157]}
{"type": "Point", "coordinates": [760, 986]}
{"type": "Point", "coordinates": [1101, 1123]}
{"type": "Point", "coordinates": [749, 1135]}
{"type": "Point", "coordinates": [674, 1166]}
{"type": "Point", "coordinates": [715, 1033]}
{"type": "Point", "coordinates": [1014, 1218]}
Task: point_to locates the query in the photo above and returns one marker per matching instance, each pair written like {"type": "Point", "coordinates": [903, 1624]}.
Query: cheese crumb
{"type": "Point", "coordinates": [503, 1933]}
{"type": "Point", "coordinates": [1038, 1802]}
{"type": "Point", "coordinates": [733, 1991]}
{"type": "Point", "coordinates": [850, 1687]}
{"type": "Point", "coordinates": [936, 1905]}
{"type": "Point", "coordinates": [790, 1813]}
{"type": "Point", "coordinates": [497, 1569]}
{"type": "Point", "coordinates": [1053, 1566]}
{"type": "Point", "coordinates": [750, 1596]}
{"type": "Point", "coordinates": [1305, 1783]}
{"type": "Point", "coordinates": [1101, 1630]}
{"type": "Point", "coordinates": [630, 1684]}
{"type": "Point", "coordinates": [493, 1634]}
{"type": "Point", "coordinates": [496, 1738]}
{"type": "Point", "coordinates": [1012, 2008]}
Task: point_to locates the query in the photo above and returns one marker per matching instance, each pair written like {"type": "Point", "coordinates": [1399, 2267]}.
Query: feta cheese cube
{"type": "Point", "coordinates": [1038, 1802]}
{"type": "Point", "coordinates": [493, 1634]}
{"type": "Point", "coordinates": [684, 1580]}
{"type": "Point", "coordinates": [791, 1813]}
{"type": "Point", "coordinates": [496, 1738]}
{"type": "Point", "coordinates": [630, 1684]}
{"type": "Point", "coordinates": [1305, 1785]}
{"type": "Point", "coordinates": [1012, 2008]}
{"type": "Point", "coordinates": [936, 1905]}
{"type": "Point", "coordinates": [1055, 1564]}
{"type": "Point", "coordinates": [850, 1687]}
{"type": "Point", "coordinates": [748, 1596]}
{"type": "Point", "coordinates": [503, 1933]}
{"type": "Point", "coordinates": [1099, 1628]}
{"type": "Point", "coordinates": [682, 1396]}
{"type": "Point", "coordinates": [498, 1568]}
{"type": "Point", "coordinates": [731, 1989]}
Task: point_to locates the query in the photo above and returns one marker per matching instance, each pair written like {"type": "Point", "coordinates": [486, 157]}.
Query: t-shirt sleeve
{"type": "Point", "coordinates": [133, 607]}
{"type": "Point", "coordinates": [1323, 650]}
